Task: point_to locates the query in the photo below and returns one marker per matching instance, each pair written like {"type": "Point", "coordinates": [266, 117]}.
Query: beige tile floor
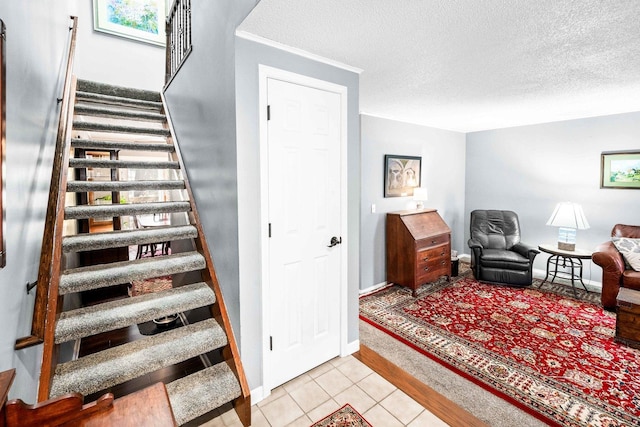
{"type": "Point", "coordinates": [312, 396]}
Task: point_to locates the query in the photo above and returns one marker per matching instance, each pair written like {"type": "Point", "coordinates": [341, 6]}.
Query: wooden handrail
{"type": "Point", "coordinates": [51, 251]}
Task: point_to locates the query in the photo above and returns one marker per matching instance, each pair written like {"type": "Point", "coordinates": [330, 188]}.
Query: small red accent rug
{"type": "Point", "coordinates": [343, 417]}
{"type": "Point", "coordinates": [551, 355]}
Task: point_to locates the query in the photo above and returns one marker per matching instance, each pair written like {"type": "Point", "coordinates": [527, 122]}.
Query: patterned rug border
{"type": "Point", "coordinates": [346, 406]}
{"type": "Point", "coordinates": [557, 289]}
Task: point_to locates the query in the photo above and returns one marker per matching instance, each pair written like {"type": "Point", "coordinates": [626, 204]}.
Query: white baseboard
{"type": "Point", "coordinates": [257, 395]}
{"type": "Point", "coordinates": [352, 347]}
{"type": "Point", "coordinates": [373, 288]}
{"type": "Point", "coordinates": [591, 285]}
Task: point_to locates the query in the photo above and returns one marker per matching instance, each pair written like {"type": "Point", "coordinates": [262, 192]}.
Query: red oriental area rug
{"type": "Point", "coordinates": [549, 354]}
{"type": "Point", "coordinates": [343, 417]}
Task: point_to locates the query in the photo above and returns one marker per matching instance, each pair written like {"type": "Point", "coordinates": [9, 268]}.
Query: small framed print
{"type": "Point", "coordinates": [401, 175]}
{"type": "Point", "coordinates": [620, 169]}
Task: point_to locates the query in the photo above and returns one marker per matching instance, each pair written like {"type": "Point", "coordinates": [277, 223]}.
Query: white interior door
{"type": "Point", "coordinates": [304, 149]}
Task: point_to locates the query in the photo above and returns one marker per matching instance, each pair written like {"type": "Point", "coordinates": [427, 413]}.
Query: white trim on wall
{"type": "Point", "coordinates": [296, 51]}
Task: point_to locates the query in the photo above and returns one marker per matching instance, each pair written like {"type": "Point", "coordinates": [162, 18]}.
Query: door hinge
{"type": "Point", "coordinates": [268, 112]}
{"type": "Point", "coordinates": [269, 229]}
{"type": "Point", "coordinates": [271, 343]}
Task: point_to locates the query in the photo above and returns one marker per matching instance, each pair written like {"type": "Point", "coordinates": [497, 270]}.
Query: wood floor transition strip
{"type": "Point", "coordinates": [439, 405]}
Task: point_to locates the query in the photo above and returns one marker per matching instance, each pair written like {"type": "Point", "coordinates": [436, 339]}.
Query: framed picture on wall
{"type": "Point", "coordinates": [142, 20]}
{"type": "Point", "coordinates": [620, 169]}
{"type": "Point", "coordinates": [401, 175]}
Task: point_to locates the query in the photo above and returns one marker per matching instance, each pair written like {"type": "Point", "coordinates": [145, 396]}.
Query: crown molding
{"type": "Point", "coordinates": [300, 52]}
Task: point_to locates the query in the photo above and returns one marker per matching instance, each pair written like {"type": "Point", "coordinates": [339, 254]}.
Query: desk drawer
{"type": "Point", "coordinates": [427, 256]}
{"type": "Point", "coordinates": [433, 263]}
{"type": "Point", "coordinates": [432, 241]}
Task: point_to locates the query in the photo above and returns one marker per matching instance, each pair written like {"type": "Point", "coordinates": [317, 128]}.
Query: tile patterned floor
{"type": "Point", "coordinates": [314, 395]}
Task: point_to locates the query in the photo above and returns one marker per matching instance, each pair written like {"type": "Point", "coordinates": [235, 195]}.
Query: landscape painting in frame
{"type": "Point", "coordinates": [401, 175]}
{"type": "Point", "coordinates": [620, 169]}
{"type": "Point", "coordinates": [142, 20]}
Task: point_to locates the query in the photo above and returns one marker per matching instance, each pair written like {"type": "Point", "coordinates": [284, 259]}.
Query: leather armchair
{"type": "Point", "coordinates": [497, 254]}
{"type": "Point", "coordinates": [614, 271]}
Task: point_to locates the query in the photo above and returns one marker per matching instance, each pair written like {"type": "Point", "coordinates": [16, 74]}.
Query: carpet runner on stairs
{"type": "Point", "coordinates": [112, 120]}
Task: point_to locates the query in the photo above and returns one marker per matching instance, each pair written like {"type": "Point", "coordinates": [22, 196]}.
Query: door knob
{"type": "Point", "coordinates": [334, 241]}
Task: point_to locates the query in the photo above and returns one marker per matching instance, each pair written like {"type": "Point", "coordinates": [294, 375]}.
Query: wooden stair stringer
{"type": "Point", "coordinates": [231, 353]}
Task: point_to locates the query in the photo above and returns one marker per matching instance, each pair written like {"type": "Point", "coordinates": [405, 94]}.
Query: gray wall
{"type": "Point", "coordinates": [201, 101]}
{"type": "Point", "coordinates": [443, 171]}
{"type": "Point", "coordinates": [37, 38]}
{"type": "Point", "coordinates": [116, 60]}
{"type": "Point", "coordinates": [531, 168]}
{"type": "Point", "coordinates": [249, 55]}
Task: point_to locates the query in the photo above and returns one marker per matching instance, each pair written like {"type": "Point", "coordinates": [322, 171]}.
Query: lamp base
{"type": "Point", "coordinates": [567, 239]}
{"type": "Point", "coordinates": [567, 246]}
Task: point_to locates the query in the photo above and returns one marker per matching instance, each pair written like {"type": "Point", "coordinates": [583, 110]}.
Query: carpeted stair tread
{"type": "Point", "coordinates": [116, 273]}
{"type": "Point", "coordinates": [84, 186]}
{"type": "Point", "coordinates": [95, 319]}
{"type": "Point", "coordinates": [116, 239]}
{"type": "Point", "coordinates": [104, 127]}
{"type": "Point", "coordinates": [121, 145]}
{"type": "Point", "coordinates": [119, 91]}
{"type": "Point", "coordinates": [202, 392]}
{"type": "Point", "coordinates": [116, 365]}
{"type": "Point", "coordinates": [117, 100]}
{"type": "Point", "coordinates": [91, 110]}
{"type": "Point", "coordinates": [116, 210]}
{"type": "Point", "coordinates": [122, 164]}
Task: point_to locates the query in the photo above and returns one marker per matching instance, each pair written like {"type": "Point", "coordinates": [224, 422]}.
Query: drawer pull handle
{"type": "Point", "coordinates": [442, 262]}
{"type": "Point", "coordinates": [433, 241]}
{"type": "Point", "coordinates": [426, 269]}
{"type": "Point", "coordinates": [442, 253]}
{"type": "Point", "coordinates": [425, 259]}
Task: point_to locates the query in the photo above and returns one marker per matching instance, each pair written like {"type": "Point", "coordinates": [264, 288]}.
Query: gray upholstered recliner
{"type": "Point", "coordinates": [497, 254]}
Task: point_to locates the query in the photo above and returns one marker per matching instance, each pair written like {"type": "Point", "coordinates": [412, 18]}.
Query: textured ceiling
{"type": "Point", "coordinates": [471, 65]}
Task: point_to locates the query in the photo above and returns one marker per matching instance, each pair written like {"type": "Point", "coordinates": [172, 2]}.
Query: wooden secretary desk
{"type": "Point", "coordinates": [418, 248]}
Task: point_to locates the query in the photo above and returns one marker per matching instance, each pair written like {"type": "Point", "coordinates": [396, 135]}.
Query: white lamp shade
{"type": "Point", "coordinates": [569, 215]}
{"type": "Point", "coordinates": [420, 194]}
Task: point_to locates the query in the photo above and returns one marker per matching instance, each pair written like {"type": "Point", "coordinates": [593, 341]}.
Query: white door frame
{"type": "Point", "coordinates": [265, 73]}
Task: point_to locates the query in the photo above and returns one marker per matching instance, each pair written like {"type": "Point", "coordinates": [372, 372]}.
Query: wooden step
{"type": "Point", "coordinates": [121, 238]}
{"type": "Point", "coordinates": [91, 144]}
{"type": "Point", "coordinates": [117, 210]}
{"type": "Point", "coordinates": [95, 319]}
{"type": "Point", "coordinates": [202, 392]}
{"type": "Point", "coordinates": [123, 129]}
{"type": "Point", "coordinates": [160, 185]}
{"type": "Point", "coordinates": [116, 273]}
{"type": "Point", "coordinates": [90, 110]}
{"type": "Point", "coordinates": [116, 365]}
{"type": "Point", "coordinates": [122, 164]}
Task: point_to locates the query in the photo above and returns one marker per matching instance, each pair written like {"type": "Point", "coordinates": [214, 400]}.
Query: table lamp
{"type": "Point", "coordinates": [569, 217]}
{"type": "Point", "coordinates": [420, 195]}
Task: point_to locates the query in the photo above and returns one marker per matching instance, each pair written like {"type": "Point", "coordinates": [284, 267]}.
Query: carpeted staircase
{"type": "Point", "coordinates": [116, 120]}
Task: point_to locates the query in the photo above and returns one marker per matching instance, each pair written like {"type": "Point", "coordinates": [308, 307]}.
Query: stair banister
{"type": "Point", "coordinates": [44, 311]}
{"type": "Point", "coordinates": [243, 408]}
